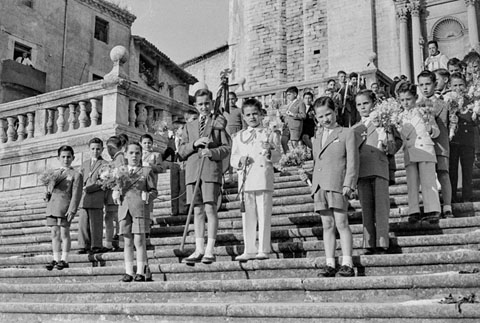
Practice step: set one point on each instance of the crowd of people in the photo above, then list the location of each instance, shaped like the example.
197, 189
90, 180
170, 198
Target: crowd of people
353, 154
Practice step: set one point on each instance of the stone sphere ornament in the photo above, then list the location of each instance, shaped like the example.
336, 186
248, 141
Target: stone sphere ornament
119, 54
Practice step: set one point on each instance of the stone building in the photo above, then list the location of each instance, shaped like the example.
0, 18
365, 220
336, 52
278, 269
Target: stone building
274, 42
207, 67
68, 43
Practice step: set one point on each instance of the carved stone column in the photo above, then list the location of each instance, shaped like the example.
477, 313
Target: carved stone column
402, 13
415, 11
472, 23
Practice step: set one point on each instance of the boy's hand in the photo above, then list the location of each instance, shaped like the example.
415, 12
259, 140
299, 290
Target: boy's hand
348, 192
201, 142
70, 216
206, 153
48, 196
244, 161
117, 201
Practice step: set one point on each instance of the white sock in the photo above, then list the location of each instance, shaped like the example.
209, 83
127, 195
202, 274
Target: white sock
331, 262
210, 246
56, 256
347, 261
200, 245
129, 268
141, 267
108, 244
447, 208
65, 256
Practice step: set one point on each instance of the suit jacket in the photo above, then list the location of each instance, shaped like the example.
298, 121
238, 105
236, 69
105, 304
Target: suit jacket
373, 161
219, 145
260, 170
93, 196
117, 161
466, 130
297, 107
442, 142
418, 143
131, 197
66, 194
153, 160
336, 164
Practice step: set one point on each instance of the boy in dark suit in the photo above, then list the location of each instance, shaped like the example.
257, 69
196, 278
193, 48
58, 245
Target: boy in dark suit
90, 221
204, 138
63, 195
134, 212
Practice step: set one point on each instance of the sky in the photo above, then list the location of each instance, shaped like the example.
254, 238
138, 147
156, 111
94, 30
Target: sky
182, 29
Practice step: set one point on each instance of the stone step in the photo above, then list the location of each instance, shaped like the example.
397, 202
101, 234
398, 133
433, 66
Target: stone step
354, 289
425, 310
99, 268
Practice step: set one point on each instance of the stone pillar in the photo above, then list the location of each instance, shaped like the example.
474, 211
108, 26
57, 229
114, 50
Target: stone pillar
472, 23
404, 43
416, 38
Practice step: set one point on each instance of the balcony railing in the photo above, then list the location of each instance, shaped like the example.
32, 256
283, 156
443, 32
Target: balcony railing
90, 107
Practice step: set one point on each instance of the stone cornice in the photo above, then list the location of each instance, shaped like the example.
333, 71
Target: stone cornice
470, 2
112, 10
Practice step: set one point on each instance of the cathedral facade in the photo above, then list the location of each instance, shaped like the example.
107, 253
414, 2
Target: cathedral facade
275, 42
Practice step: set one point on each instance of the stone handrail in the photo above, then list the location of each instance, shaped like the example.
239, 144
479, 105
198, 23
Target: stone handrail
115, 100
269, 96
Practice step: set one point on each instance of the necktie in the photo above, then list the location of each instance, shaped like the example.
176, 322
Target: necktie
132, 171
202, 125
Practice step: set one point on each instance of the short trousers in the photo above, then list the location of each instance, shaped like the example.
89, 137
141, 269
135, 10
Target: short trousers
208, 192
134, 225
61, 222
443, 163
327, 200
295, 134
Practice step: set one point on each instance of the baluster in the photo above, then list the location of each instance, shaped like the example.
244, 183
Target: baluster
3, 133
149, 119
30, 125
94, 115
83, 117
11, 129
132, 116
72, 119
21, 132
50, 117
61, 119
141, 117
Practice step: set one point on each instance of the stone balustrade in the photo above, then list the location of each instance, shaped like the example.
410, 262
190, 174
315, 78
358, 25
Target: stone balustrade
275, 95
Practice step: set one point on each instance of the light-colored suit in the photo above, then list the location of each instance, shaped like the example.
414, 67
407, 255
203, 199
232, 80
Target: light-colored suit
336, 164
66, 194
373, 185
258, 185
90, 220
420, 159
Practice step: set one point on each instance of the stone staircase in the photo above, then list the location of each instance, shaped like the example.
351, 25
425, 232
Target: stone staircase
430, 261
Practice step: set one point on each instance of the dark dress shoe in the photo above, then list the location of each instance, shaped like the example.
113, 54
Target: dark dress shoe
370, 251
139, 278
346, 271
51, 265
382, 251
208, 259
327, 271
192, 260
61, 265
82, 251
148, 274
414, 218
431, 217
126, 278
448, 214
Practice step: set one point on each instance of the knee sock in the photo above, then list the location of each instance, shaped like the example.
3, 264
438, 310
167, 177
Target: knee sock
210, 246
65, 256
129, 268
141, 267
56, 256
331, 262
200, 245
347, 261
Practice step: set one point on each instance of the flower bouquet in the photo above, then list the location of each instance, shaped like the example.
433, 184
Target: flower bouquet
426, 110
117, 179
457, 103
295, 157
387, 115
474, 94
48, 179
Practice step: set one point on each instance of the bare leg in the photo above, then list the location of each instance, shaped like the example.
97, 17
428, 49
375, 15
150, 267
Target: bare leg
211, 211
346, 240
329, 239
